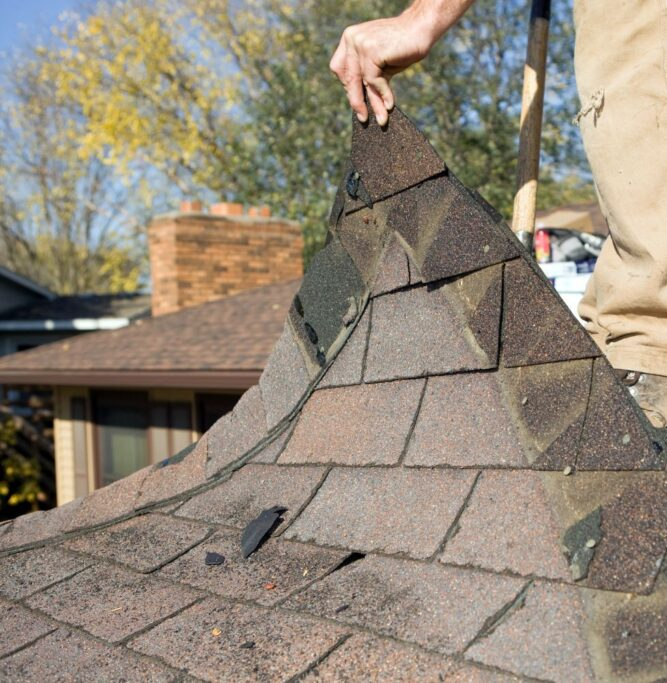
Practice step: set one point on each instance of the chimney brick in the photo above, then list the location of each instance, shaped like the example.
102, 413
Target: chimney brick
263, 211
191, 206
197, 257
226, 209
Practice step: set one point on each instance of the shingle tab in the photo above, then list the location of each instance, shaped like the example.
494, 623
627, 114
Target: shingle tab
425, 331
614, 437
38, 526
634, 538
452, 429
447, 231
68, 656
110, 502
638, 640
550, 402
277, 569
143, 543
33, 570
364, 657
348, 366
362, 234
332, 285
544, 330
543, 639
393, 158
284, 380
19, 627
269, 454
234, 434
439, 608
393, 270
176, 477
112, 603
372, 428
252, 644
237, 501
507, 525
388, 510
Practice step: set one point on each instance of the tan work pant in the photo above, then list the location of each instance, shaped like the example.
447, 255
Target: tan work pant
621, 69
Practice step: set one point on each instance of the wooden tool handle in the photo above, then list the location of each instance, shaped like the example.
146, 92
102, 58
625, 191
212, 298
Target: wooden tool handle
532, 105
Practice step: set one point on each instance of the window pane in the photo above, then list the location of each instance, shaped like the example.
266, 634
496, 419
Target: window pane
181, 426
211, 407
122, 422
159, 432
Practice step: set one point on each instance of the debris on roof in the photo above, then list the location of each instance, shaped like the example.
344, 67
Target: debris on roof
414, 423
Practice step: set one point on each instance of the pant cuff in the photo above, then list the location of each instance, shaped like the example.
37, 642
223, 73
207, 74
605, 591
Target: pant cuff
641, 359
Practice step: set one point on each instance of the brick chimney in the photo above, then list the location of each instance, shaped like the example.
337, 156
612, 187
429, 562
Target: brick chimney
197, 257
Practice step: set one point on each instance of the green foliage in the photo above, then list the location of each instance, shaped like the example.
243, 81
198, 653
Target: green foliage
235, 100
19, 476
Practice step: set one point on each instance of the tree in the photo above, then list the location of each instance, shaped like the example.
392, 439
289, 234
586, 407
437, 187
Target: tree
66, 220
235, 100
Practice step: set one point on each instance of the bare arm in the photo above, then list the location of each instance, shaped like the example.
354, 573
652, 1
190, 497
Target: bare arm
371, 53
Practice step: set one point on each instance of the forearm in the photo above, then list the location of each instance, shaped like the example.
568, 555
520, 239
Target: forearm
436, 17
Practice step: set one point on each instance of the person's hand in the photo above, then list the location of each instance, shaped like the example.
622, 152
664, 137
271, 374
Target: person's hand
369, 54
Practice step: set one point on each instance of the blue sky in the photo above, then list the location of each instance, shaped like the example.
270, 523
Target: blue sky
22, 19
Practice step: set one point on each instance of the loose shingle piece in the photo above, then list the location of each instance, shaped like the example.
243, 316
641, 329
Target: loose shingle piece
437, 478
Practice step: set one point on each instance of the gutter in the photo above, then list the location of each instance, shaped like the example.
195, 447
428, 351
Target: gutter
173, 379
73, 325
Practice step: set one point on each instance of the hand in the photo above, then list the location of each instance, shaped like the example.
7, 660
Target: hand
369, 54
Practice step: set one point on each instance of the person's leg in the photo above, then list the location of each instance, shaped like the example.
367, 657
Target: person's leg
621, 68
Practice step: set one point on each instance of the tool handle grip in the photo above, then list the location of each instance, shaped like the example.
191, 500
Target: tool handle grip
532, 105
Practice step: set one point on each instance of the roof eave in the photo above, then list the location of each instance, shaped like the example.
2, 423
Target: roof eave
230, 380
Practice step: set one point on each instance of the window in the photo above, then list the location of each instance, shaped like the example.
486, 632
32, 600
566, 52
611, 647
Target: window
211, 407
121, 421
170, 429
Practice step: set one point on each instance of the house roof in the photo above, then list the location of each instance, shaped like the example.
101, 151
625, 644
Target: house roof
83, 312
223, 343
453, 483
25, 283
586, 217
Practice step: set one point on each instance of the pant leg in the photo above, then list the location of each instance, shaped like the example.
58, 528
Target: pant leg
621, 68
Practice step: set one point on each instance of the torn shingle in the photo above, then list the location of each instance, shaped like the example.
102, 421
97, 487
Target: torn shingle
260, 529
393, 158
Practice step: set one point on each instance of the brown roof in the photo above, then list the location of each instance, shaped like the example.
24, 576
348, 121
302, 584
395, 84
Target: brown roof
226, 341
586, 217
446, 486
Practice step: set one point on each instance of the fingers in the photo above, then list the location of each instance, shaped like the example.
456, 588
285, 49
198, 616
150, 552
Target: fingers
378, 105
346, 67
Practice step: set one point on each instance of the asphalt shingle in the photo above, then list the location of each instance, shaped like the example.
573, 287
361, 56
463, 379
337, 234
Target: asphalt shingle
215, 640
372, 427
388, 510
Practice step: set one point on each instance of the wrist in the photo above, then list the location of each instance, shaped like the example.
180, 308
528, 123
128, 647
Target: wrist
433, 18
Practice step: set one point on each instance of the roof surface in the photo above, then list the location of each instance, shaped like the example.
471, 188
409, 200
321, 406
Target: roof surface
235, 334
89, 306
464, 491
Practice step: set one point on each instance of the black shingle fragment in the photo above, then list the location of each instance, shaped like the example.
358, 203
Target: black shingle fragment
214, 559
261, 527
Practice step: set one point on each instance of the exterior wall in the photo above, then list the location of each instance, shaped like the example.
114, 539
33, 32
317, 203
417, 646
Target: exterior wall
201, 257
76, 464
72, 479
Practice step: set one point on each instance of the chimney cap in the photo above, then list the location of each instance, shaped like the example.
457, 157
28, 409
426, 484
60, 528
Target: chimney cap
226, 209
